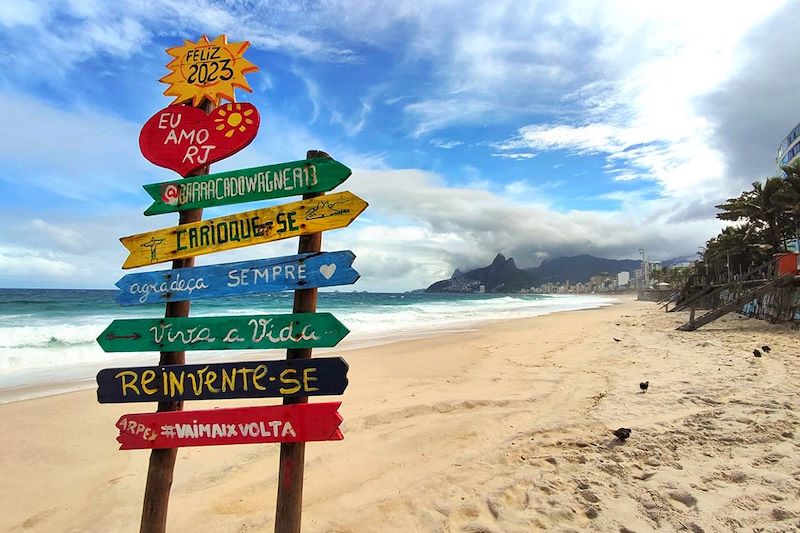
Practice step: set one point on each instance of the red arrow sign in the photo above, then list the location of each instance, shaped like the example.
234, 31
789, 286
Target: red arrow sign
241, 425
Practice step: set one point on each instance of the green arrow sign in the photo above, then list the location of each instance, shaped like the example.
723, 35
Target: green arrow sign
247, 185
299, 330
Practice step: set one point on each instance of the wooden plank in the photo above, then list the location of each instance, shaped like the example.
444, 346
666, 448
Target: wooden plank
736, 303
207, 70
247, 185
249, 332
240, 425
249, 379
183, 138
291, 466
243, 229
233, 279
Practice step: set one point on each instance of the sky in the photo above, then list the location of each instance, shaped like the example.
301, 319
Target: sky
536, 129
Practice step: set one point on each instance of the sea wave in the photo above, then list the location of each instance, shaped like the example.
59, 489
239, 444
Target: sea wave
52, 347
455, 314
49, 336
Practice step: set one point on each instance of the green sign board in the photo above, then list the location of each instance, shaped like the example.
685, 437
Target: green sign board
247, 185
299, 330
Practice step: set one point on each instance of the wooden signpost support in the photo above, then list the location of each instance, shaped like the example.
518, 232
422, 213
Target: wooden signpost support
162, 461
186, 137
289, 507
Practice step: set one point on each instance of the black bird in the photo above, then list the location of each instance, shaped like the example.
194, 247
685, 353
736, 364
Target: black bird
622, 433
766, 349
643, 385
756, 353
616, 339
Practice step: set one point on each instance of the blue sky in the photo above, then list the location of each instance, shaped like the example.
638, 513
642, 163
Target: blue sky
532, 128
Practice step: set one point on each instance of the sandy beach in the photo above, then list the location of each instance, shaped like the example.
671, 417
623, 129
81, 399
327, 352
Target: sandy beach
505, 428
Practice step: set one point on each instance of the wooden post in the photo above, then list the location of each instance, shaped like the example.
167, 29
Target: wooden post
289, 507
162, 462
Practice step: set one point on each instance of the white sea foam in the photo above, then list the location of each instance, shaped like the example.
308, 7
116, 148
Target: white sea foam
50, 350
430, 316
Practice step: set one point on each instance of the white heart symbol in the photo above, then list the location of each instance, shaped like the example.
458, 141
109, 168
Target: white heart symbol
327, 270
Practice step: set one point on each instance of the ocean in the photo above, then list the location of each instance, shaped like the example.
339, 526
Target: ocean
47, 337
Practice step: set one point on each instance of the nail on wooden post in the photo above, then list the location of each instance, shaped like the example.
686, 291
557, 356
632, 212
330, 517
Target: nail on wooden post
162, 462
289, 508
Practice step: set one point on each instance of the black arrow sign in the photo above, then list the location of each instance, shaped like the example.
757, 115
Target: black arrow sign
251, 379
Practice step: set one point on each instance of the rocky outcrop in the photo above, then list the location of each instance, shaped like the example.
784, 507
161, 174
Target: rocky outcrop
501, 276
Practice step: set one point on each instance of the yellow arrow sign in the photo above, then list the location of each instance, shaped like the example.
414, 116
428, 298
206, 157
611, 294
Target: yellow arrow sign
243, 229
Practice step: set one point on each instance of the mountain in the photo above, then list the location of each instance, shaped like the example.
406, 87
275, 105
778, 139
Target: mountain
501, 276
580, 268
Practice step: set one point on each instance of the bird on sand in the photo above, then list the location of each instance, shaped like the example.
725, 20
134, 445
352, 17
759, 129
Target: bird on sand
643, 385
756, 353
616, 339
766, 348
622, 433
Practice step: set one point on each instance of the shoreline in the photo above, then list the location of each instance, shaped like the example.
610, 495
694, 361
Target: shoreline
81, 381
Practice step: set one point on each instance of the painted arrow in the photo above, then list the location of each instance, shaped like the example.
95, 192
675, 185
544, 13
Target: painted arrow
299, 330
241, 425
243, 229
305, 271
112, 337
251, 379
247, 185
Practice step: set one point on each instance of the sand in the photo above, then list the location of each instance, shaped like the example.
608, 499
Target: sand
506, 428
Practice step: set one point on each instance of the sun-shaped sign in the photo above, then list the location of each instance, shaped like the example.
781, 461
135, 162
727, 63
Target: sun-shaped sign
207, 69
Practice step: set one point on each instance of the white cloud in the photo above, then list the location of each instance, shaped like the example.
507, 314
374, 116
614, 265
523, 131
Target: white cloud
131, 26
35, 267
352, 127
20, 13
643, 118
416, 231
76, 153
446, 145
515, 155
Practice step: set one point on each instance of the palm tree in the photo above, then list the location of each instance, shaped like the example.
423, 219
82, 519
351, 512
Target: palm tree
763, 205
735, 249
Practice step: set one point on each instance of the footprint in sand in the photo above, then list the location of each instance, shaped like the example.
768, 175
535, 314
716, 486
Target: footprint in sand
683, 497
515, 497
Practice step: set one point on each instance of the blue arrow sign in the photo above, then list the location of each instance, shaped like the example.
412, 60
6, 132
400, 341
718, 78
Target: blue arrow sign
304, 271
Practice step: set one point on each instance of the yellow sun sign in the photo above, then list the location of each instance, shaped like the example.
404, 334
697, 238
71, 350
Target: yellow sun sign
207, 69
231, 116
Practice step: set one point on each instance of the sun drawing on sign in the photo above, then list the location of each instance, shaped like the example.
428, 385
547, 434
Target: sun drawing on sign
232, 117
207, 70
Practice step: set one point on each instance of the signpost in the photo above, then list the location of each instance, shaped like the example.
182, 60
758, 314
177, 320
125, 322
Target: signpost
243, 229
251, 379
183, 138
241, 425
187, 139
247, 185
299, 330
303, 271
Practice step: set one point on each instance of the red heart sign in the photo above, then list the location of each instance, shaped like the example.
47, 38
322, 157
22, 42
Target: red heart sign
184, 138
